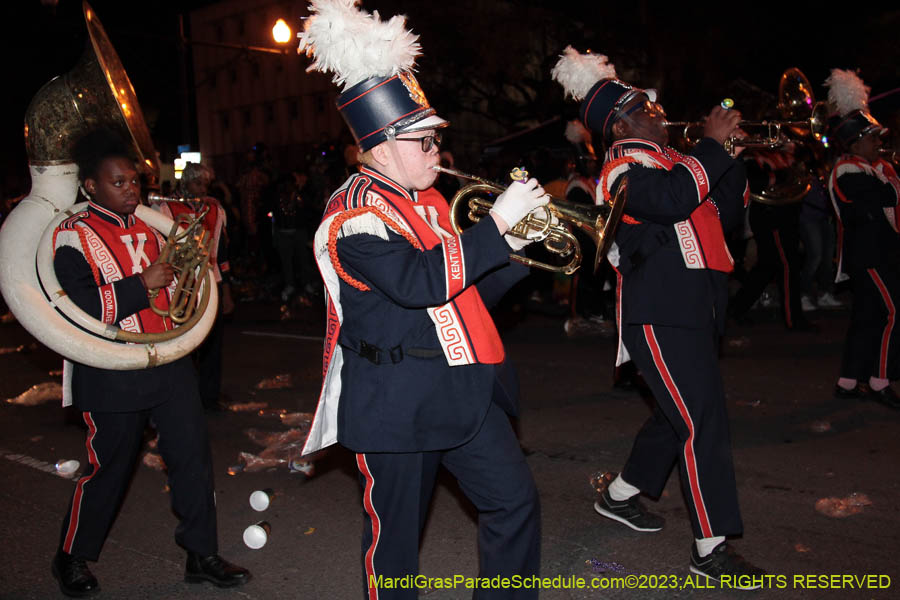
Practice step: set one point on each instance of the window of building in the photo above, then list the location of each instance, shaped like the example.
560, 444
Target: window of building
320, 103
270, 113
254, 69
220, 33
232, 74
240, 26
248, 117
225, 121
294, 109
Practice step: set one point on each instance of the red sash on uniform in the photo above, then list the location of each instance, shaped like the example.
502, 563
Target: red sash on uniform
115, 251
700, 236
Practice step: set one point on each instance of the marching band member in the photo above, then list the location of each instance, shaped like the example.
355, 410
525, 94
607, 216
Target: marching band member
415, 374
865, 191
104, 261
673, 267
775, 222
193, 188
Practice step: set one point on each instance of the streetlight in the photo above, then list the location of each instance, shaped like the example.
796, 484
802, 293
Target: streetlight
281, 33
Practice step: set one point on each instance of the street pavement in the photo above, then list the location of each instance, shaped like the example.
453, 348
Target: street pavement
794, 446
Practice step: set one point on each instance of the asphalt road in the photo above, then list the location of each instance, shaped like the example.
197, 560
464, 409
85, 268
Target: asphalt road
794, 445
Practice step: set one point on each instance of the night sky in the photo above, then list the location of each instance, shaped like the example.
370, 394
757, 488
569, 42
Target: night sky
693, 55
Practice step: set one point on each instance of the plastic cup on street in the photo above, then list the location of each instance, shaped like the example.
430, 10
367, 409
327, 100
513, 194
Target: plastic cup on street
260, 499
67, 468
257, 535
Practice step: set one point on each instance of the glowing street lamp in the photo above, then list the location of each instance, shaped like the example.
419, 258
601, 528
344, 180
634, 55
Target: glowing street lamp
281, 33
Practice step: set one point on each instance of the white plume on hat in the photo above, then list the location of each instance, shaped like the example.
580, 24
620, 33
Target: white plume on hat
354, 44
846, 91
577, 133
578, 73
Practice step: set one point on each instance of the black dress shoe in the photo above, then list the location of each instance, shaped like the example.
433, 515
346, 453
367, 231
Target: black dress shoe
854, 393
215, 569
886, 396
75, 579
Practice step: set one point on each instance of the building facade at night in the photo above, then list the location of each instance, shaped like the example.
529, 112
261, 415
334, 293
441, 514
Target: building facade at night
245, 96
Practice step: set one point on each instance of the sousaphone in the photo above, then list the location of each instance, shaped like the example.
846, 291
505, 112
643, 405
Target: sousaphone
95, 93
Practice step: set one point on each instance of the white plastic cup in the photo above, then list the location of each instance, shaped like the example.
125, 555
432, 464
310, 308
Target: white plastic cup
257, 535
260, 499
67, 468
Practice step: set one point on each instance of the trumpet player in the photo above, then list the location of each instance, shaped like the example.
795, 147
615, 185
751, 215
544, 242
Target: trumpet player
673, 265
415, 372
104, 261
865, 191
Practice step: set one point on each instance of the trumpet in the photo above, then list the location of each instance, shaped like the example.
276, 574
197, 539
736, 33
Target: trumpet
770, 136
598, 222
794, 98
890, 154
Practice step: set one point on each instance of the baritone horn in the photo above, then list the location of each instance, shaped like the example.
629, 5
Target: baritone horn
187, 250
597, 222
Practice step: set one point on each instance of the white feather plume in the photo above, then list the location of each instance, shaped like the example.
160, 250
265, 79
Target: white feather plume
577, 133
578, 73
846, 91
355, 45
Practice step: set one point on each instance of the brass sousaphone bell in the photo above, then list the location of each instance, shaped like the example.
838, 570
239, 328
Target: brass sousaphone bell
597, 222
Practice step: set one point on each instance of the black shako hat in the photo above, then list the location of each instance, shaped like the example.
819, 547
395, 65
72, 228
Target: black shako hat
856, 125
591, 79
381, 107
603, 104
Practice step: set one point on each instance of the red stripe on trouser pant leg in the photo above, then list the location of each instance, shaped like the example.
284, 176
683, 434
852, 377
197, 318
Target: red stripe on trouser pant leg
79, 488
786, 276
889, 326
690, 460
376, 525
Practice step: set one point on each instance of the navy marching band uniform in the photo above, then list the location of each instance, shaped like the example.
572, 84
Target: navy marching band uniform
865, 197
673, 266
415, 374
775, 223
98, 256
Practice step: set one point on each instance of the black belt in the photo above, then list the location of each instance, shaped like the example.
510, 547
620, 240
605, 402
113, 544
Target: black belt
379, 356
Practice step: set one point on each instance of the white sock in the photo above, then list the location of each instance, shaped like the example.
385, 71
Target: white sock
705, 546
878, 384
620, 490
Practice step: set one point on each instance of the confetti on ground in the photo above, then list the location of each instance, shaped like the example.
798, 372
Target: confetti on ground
279, 382
247, 406
599, 566
154, 461
820, 426
38, 394
843, 507
600, 480
801, 547
309, 531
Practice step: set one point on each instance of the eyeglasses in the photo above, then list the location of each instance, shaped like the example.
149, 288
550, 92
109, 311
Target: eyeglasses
428, 142
651, 109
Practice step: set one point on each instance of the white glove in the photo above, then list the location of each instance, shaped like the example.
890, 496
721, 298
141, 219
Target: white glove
518, 200
517, 243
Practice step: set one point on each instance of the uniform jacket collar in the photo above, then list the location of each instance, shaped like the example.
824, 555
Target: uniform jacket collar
110, 217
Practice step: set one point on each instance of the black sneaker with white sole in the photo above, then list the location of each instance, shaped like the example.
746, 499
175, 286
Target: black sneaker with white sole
629, 512
727, 567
